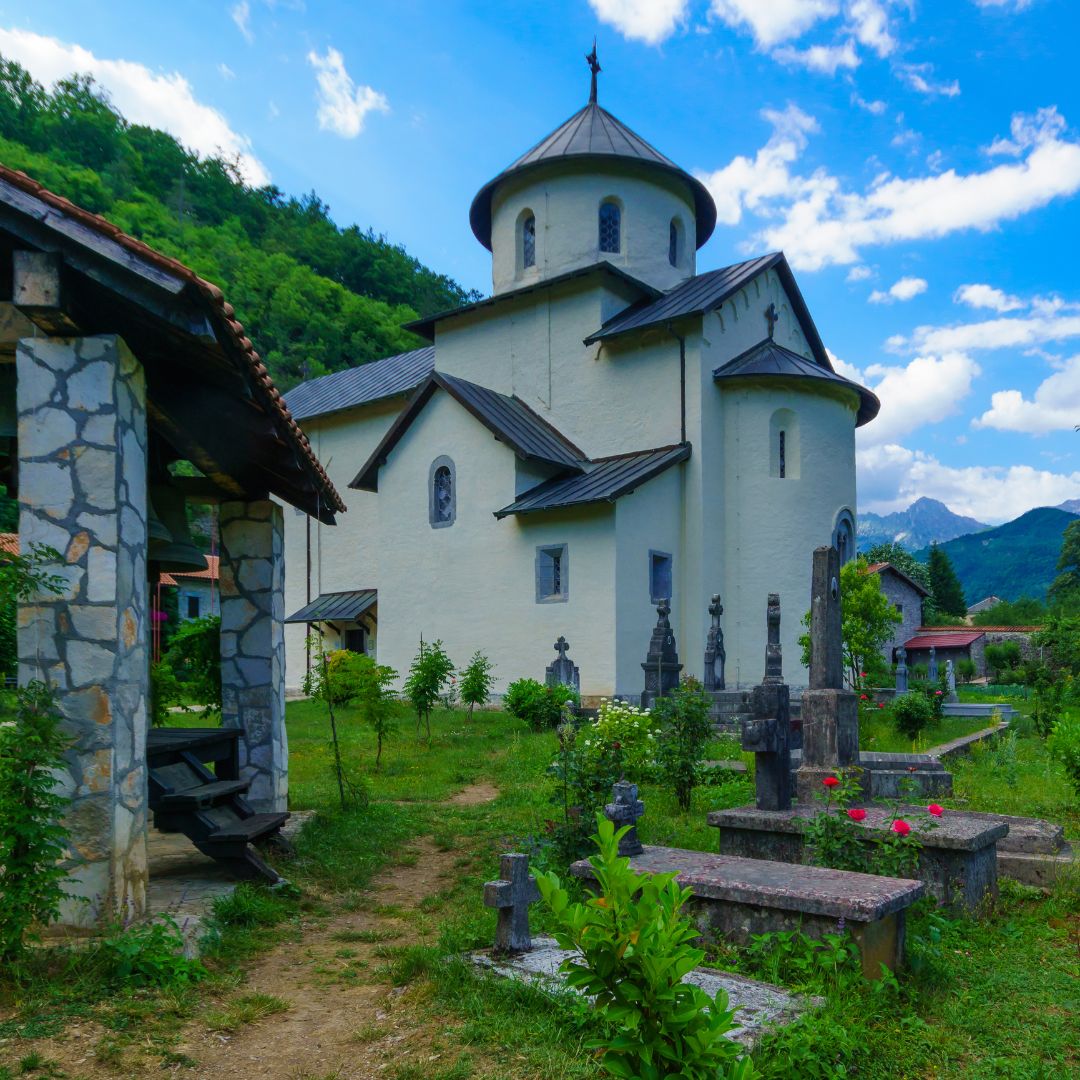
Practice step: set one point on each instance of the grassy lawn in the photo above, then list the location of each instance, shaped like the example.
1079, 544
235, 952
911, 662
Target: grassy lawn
877, 733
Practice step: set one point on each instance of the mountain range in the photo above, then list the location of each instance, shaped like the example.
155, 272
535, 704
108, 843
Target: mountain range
924, 522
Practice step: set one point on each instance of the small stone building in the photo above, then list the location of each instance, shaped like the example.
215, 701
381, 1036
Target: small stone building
907, 596
949, 643
125, 362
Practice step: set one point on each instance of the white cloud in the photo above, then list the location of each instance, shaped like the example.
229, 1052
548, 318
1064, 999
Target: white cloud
891, 477
858, 273
1007, 5
774, 21
1055, 405
747, 183
651, 21
986, 296
992, 334
825, 59
343, 106
157, 99
226, 72
1029, 130
240, 13
907, 288
919, 77
870, 24
874, 107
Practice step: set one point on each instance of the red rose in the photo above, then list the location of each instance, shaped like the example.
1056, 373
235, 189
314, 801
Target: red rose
937, 693
936, 810
881, 704
858, 814
901, 827
863, 697
862, 674
831, 781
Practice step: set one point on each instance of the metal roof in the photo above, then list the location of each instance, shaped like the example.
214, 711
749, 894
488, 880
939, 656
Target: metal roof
361, 385
509, 419
335, 607
944, 640
768, 359
604, 480
592, 133
426, 327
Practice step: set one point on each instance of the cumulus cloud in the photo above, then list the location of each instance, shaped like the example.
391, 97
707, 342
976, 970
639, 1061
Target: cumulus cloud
920, 78
1021, 332
651, 21
343, 106
825, 59
876, 108
1029, 130
986, 296
163, 100
1055, 405
776, 21
891, 477
907, 288
870, 24
858, 273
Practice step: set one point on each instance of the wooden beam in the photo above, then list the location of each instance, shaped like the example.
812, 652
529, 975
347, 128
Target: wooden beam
37, 291
14, 326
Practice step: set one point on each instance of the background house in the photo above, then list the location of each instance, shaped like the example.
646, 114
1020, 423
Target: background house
907, 596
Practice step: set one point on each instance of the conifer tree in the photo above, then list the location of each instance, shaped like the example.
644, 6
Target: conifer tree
945, 588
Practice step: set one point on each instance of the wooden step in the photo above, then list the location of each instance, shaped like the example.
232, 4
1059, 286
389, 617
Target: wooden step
203, 795
248, 830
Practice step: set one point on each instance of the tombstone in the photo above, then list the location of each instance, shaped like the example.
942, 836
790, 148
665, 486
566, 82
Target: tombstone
661, 665
932, 672
511, 895
774, 664
625, 809
562, 671
950, 682
830, 714
901, 671
715, 655
768, 736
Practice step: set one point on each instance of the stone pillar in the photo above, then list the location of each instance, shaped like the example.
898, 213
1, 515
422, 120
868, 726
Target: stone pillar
82, 491
253, 645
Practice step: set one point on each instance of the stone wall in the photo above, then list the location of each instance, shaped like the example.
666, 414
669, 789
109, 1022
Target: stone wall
900, 594
82, 491
253, 645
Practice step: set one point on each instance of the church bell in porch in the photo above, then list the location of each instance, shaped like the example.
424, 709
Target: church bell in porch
170, 544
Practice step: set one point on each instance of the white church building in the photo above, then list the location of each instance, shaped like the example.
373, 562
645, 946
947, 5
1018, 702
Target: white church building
609, 428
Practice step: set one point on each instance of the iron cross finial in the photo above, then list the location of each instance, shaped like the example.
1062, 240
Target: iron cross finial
594, 67
772, 318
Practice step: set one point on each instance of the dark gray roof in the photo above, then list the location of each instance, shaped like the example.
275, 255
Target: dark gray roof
335, 607
509, 419
768, 359
594, 133
604, 480
706, 292
426, 327
361, 385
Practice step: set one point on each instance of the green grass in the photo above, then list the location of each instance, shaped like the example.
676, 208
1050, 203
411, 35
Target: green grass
877, 733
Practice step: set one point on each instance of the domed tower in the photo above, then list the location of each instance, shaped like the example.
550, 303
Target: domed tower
591, 191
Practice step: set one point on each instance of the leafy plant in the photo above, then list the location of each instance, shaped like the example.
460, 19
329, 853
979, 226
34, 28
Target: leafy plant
148, 954
965, 670
32, 840
428, 676
476, 682
793, 958
1064, 746
634, 947
685, 731
540, 706
1003, 656
1048, 703
374, 700
912, 713
194, 657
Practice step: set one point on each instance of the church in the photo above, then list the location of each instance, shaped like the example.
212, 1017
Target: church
609, 429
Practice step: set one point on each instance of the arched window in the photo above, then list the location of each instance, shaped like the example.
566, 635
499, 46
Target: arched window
673, 244
844, 536
784, 461
528, 242
610, 227
442, 493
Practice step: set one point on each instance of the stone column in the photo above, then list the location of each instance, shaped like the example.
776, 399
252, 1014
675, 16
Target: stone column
82, 491
253, 645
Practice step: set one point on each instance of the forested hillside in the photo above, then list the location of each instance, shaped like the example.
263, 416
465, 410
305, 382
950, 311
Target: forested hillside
314, 297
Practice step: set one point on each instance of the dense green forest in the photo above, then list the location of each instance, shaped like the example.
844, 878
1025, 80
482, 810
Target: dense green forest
314, 297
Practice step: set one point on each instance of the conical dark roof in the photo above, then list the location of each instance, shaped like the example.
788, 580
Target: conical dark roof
592, 132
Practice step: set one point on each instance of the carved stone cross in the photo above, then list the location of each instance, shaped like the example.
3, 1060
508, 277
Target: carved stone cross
511, 895
594, 67
774, 663
561, 646
625, 809
772, 318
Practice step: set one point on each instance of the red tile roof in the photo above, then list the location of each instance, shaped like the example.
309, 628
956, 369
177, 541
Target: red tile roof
966, 629
9, 543
215, 300
944, 640
209, 574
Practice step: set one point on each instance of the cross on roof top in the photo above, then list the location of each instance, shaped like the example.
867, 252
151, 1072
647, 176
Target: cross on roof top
594, 67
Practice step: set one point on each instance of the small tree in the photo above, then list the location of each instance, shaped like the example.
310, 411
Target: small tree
194, 657
477, 681
430, 671
1065, 589
686, 728
912, 714
945, 589
375, 701
323, 684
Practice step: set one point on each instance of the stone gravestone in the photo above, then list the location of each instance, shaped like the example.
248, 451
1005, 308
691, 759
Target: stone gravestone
950, 682
768, 733
661, 665
715, 655
626, 808
562, 671
901, 671
830, 714
511, 895
932, 671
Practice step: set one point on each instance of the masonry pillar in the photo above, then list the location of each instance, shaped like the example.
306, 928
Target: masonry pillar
82, 491
253, 645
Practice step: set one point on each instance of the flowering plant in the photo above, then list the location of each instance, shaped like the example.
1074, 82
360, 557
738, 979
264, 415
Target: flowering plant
636, 732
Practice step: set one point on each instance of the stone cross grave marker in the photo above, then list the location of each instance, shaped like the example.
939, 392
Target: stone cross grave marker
826, 636
950, 683
661, 665
715, 654
511, 895
774, 662
901, 671
625, 809
932, 671
562, 671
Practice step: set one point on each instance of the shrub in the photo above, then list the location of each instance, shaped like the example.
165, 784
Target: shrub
635, 947
194, 657
1002, 656
147, 954
428, 677
911, 714
685, 730
540, 706
920, 671
631, 731
1049, 701
374, 700
477, 681
1064, 746
965, 670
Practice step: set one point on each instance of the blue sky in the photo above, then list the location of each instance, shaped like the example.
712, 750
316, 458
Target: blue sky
918, 161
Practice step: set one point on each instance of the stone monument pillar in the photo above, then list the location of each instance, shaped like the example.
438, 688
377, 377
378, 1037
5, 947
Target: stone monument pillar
661, 665
950, 683
626, 808
715, 654
901, 671
562, 671
830, 714
932, 670
82, 491
253, 646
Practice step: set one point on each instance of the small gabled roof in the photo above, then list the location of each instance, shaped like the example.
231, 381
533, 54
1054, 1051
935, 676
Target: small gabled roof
940, 639
361, 385
880, 567
335, 607
592, 133
768, 359
604, 480
425, 327
509, 419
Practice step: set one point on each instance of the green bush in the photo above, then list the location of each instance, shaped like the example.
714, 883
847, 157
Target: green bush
428, 678
540, 706
685, 731
194, 657
911, 714
476, 682
1064, 746
147, 954
1003, 656
965, 670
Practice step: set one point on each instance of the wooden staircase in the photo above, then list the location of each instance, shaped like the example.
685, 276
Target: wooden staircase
208, 805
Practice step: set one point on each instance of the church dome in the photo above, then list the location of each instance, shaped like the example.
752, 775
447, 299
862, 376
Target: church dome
593, 134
